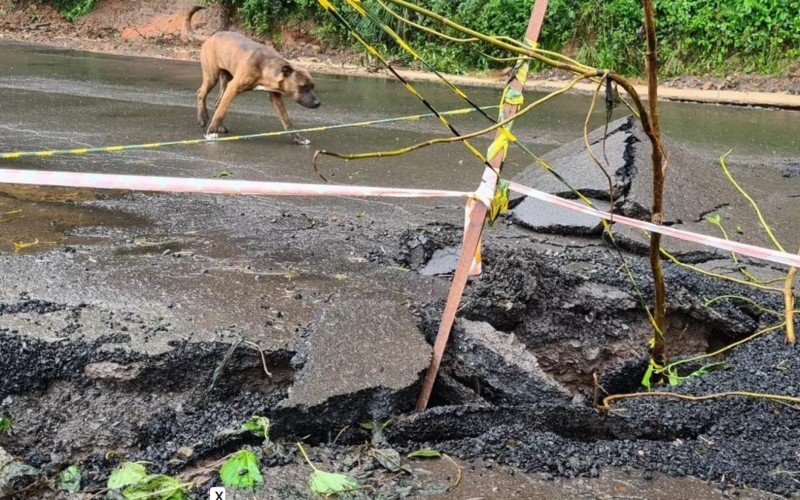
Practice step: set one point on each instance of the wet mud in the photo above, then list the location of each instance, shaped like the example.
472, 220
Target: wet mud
35, 218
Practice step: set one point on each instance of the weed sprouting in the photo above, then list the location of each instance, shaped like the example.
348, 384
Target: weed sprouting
328, 483
132, 481
70, 479
241, 471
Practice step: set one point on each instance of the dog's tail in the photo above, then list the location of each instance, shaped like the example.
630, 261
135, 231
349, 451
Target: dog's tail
188, 32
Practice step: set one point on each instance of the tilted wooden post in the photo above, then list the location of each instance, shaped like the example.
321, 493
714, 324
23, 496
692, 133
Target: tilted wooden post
511, 102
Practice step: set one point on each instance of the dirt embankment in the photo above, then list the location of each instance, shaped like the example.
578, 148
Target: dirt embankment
153, 29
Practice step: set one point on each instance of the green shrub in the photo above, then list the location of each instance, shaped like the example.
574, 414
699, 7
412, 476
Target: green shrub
262, 16
697, 36
73, 9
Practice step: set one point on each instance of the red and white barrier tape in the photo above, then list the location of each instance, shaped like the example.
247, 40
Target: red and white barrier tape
210, 186
219, 186
731, 246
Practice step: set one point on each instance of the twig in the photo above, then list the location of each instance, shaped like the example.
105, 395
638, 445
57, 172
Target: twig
752, 202
218, 371
339, 434
788, 303
744, 299
446, 140
653, 131
723, 349
772, 397
717, 275
455, 483
263, 358
589, 147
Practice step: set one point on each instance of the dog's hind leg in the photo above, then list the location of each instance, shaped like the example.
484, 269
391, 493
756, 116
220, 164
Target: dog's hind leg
277, 102
209, 82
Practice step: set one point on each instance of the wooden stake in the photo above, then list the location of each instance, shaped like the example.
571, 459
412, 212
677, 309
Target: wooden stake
474, 229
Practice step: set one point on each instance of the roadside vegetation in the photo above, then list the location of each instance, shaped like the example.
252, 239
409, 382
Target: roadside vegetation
695, 36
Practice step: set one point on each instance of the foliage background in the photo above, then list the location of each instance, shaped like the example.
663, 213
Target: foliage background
696, 36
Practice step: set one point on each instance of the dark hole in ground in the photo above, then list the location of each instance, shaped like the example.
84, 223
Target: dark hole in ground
578, 315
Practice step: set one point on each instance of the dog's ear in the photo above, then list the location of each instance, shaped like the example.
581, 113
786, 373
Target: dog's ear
287, 70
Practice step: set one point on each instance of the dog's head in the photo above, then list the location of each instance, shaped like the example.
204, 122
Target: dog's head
295, 83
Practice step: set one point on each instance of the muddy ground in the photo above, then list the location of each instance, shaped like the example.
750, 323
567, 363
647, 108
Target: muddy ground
141, 327
90, 383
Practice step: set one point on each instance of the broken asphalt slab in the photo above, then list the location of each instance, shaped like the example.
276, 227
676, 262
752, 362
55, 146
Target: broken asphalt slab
509, 373
360, 361
695, 189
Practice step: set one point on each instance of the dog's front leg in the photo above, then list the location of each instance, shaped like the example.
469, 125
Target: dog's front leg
202, 92
222, 109
277, 103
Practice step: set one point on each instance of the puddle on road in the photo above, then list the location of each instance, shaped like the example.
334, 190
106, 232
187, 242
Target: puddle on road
38, 218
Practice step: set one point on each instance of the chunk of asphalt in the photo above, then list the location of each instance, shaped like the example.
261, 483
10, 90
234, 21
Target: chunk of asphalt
448, 425
548, 218
443, 261
112, 372
13, 473
362, 360
505, 370
449, 391
580, 171
791, 170
695, 188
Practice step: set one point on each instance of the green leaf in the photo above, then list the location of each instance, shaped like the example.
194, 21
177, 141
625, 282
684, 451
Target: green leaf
156, 486
241, 471
371, 425
328, 483
258, 425
70, 479
224, 173
500, 201
126, 474
647, 376
5, 424
424, 453
714, 219
739, 230
673, 378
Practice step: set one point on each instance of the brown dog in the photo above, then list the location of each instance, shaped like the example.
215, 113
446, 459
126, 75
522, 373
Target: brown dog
240, 64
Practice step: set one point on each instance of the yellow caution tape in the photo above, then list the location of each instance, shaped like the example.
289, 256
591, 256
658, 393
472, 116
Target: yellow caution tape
500, 143
356, 4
